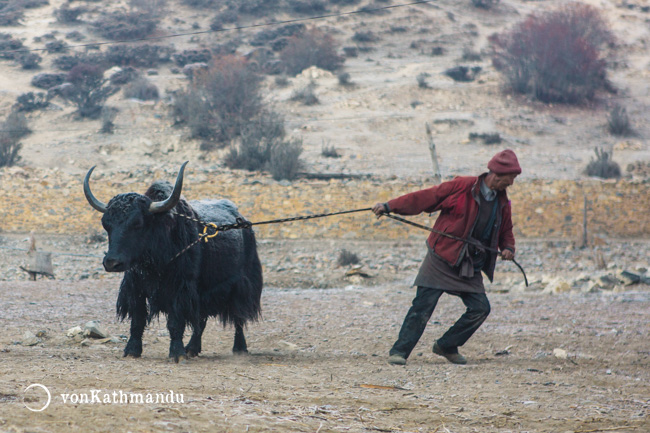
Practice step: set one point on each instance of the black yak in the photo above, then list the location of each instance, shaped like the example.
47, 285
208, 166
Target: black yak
219, 278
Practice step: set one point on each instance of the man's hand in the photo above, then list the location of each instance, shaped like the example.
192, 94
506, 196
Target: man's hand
507, 255
379, 209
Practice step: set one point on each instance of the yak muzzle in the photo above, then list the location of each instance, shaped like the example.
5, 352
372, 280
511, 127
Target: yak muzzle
114, 265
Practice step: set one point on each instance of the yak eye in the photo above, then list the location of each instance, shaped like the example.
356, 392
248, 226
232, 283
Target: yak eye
137, 224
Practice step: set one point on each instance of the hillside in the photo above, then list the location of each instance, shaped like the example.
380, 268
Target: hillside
377, 124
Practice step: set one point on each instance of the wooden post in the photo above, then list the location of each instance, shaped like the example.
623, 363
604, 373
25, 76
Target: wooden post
38, 262
585, 235
437, 177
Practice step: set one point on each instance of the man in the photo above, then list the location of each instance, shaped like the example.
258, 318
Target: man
475, 209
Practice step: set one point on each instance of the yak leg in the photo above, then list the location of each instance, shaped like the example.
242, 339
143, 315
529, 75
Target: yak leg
138, 323
239, 347
176, 328
193, 348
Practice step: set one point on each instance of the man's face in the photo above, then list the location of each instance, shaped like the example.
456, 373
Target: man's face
503, 181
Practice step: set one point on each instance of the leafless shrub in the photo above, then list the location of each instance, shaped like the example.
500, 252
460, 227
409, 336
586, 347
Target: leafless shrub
9, 46
108, 119
463, 73
470, 55
556, 56
67, 62
282, 80
15, 125
374, 9
308, 7
75, 35
87, 89
192, 56
603, 166
256, 141
422, 80
142, 89
202, 3
9, 149
350, 51
618, 122
272, 35
437, 51
31, 101
220, 101
139, 56
285, 160
11, 130
10, 14
311, 48
225, 17
347, 258
398, 29
47, 80
28, 60
69, 15
123, 26
257, 7
344, 79
125, 75
485, 4
31, 4
154, 8
57, 46
305, 95
329, 151
365, 37
487, 138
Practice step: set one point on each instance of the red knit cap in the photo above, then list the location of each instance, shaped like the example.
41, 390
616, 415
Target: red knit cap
504, 162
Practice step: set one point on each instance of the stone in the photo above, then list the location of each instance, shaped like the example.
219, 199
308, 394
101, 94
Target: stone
560, 353
29, 339
557, 285
93, 330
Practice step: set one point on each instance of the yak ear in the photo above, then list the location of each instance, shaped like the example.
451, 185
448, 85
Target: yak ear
172, 200
96, 204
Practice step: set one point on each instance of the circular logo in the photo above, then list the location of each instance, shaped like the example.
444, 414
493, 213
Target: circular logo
47, 391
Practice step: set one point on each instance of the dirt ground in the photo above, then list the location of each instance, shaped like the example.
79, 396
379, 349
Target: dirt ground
571, 362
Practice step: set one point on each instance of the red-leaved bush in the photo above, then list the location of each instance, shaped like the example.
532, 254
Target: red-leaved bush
555, 56
311, 48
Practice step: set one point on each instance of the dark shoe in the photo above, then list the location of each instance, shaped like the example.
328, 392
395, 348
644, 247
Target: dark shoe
454, 358
397, 360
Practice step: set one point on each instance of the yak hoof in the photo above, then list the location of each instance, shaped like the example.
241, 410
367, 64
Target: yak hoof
133, 348
131, 355
178, 358
191, 354
240, 352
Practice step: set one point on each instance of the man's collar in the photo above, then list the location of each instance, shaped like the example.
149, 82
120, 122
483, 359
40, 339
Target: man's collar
488, 194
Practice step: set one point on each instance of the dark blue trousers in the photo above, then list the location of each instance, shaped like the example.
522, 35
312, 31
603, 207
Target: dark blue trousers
425, 301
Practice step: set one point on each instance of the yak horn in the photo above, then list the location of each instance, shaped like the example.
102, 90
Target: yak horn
172, 200
96, 204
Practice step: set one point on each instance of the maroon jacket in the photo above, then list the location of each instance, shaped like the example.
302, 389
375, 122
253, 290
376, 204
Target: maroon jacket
457, 200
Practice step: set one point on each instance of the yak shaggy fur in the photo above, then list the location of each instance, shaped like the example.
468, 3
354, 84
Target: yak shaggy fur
219, 278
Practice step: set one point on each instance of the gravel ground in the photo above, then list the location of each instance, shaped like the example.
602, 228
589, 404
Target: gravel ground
543, 362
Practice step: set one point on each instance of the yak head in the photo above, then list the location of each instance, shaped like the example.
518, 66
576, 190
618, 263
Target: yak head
129, 220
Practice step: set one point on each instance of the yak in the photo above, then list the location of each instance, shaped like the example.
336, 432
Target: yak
219, 277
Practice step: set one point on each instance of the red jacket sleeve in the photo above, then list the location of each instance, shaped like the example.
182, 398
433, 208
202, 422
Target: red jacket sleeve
426, 200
